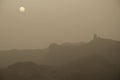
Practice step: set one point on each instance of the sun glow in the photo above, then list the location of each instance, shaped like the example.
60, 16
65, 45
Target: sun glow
22, 9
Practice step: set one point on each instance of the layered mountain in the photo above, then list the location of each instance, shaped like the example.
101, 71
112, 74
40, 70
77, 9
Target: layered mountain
98, 59
101, 62
9, 57
107, 48
27, 71
39, 56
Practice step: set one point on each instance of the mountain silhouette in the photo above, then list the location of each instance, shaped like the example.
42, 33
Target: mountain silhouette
28, 71
99, 59
59, 55
102, 61
9, 57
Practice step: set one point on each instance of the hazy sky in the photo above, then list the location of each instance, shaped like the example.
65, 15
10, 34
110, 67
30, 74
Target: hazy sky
48, 21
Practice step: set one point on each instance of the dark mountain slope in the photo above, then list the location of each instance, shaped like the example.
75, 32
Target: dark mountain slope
98, 59
59, 55
28, 71
102, 61
35, 55
13, 56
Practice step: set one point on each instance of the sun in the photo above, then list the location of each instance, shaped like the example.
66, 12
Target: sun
22, 9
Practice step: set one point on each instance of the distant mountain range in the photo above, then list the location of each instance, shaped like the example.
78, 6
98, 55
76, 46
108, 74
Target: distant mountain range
39, 56
98, 59
107, 48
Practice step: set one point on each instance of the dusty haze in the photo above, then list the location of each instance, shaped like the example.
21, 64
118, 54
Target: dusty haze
48, 21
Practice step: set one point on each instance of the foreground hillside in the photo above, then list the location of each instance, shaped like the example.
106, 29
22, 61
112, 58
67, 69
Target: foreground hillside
13, 56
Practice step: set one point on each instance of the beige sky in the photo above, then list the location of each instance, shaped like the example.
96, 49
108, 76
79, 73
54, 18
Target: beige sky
48, 21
